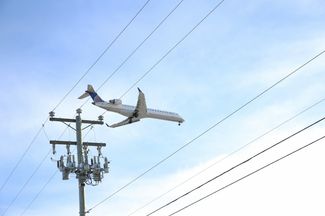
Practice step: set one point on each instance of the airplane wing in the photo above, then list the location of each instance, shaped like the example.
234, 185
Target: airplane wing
141, 108
129, 120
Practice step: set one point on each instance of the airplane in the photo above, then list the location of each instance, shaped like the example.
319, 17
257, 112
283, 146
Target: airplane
133, 113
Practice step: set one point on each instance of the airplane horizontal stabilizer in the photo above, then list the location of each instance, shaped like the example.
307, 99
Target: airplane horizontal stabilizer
84, 95
90, 89
91, 92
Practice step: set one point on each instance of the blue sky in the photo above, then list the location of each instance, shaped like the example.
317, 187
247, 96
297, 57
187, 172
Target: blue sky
236, 53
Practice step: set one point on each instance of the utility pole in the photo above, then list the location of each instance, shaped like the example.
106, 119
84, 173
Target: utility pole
87, 172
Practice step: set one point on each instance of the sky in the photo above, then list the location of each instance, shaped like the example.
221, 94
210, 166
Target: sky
241, 49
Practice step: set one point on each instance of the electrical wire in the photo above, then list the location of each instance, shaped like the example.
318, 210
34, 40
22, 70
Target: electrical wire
250, 174
174, 47
236, 166
90, 129
227, 156
207, 130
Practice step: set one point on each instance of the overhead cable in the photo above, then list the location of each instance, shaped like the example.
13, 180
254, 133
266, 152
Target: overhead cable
250, 174
227, 156
236, 166
207, 130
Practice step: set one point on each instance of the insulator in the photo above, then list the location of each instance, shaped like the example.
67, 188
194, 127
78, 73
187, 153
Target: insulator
97, 175
65, 174
70, 163
52, 114
69, 159
81, 166
106, 165
86, 167
99, 149
98, 161
61, 161
86, 159
79, 111
68, 149
53, 149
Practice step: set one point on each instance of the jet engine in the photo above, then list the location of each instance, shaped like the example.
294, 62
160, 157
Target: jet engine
116, 101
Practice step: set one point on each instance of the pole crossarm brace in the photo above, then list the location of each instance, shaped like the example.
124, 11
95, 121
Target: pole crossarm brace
62, 142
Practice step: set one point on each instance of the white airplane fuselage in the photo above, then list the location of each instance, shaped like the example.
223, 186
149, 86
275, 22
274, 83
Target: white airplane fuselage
128, 111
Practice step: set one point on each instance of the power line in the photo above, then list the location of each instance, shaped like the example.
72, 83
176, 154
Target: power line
218, 161
207, 130
236, 166
174, 47
238, 180
137, 48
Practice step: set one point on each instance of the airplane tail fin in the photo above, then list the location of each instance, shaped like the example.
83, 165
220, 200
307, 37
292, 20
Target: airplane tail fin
91, 92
